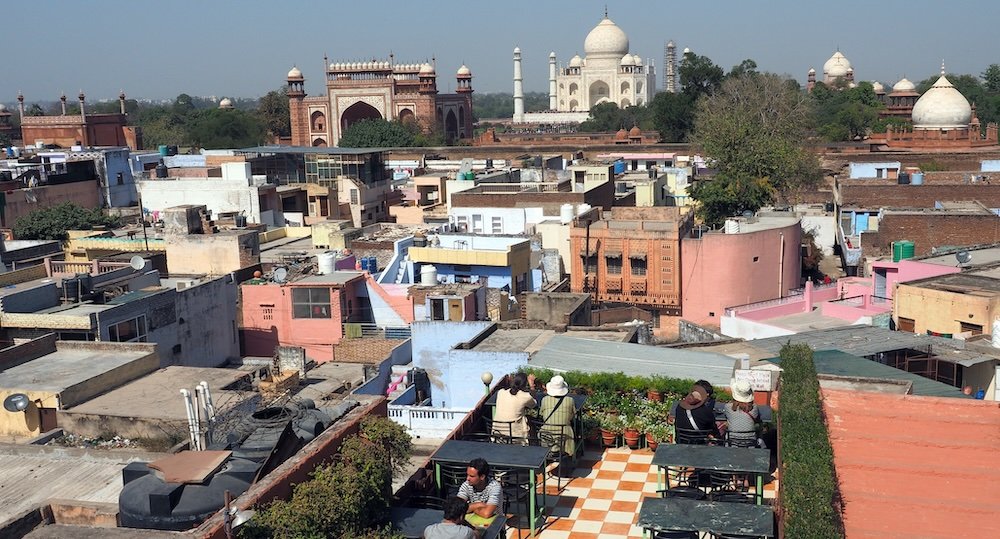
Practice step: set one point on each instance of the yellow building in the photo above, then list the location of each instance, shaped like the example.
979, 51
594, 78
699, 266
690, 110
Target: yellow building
949, 304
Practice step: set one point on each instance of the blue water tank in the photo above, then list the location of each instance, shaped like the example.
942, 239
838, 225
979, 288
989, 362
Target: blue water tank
917, 178
619, 167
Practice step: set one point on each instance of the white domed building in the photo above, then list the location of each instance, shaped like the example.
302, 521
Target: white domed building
838, 67
607, 73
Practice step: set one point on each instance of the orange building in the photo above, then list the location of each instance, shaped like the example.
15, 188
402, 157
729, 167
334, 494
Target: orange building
81, 129
631, 256
358, 91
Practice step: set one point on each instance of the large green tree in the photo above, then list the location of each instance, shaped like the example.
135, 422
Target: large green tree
273, 112
699, 75
845, 113
376, 133
608, 117
752, 128
51, 223
672, 115
225, 128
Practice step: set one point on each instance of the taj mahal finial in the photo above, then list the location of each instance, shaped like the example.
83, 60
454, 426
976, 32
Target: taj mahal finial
942, 67
605, 11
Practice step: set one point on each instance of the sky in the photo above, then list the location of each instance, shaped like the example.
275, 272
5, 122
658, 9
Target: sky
157, 50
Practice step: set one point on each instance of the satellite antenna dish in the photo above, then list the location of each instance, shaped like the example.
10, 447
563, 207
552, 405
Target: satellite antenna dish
137, 263
18, 402
280, 275
963, 257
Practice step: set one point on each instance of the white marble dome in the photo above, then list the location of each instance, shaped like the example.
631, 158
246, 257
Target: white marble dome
638, 59
3, 108
606, 40
426, 69
464, 70
295, 73
836, 66
628, 60
877, 86
576, 61
226, 103
942, 107
904, 85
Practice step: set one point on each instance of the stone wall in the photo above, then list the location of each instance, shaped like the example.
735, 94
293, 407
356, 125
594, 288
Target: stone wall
931, 230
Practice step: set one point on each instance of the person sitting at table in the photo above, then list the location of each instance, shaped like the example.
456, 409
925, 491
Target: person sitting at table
510, 417
692, 413
710, 401
482, 492
454, 525
742, 416
557, 412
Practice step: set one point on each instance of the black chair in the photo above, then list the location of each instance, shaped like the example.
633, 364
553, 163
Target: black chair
682, 482
516, 488
555, 437
425, 502
452, 477
741, 438
716, 535
674, 535
502, 432
730, 496
693, 436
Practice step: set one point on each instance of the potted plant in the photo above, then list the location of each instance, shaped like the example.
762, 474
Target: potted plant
611, 426
655, 390
632, 431
657, 434
591, 427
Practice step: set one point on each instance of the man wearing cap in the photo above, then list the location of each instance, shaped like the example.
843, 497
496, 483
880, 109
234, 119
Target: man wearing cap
693, 413
556, 411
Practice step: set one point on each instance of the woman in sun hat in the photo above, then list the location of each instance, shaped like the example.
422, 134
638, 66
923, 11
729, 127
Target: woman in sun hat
556, 412
742, 416
694, 413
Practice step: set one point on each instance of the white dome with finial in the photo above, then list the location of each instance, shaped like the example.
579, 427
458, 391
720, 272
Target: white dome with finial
226, 103
877, 86
464, 70
576, 61
904, 85
606, 40
295, 73
836, 66
426, 69
942, 107
628, 60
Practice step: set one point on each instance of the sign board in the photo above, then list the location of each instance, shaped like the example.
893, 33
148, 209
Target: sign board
760, 380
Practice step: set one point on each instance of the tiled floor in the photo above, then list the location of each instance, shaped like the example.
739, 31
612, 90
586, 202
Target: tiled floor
602, 499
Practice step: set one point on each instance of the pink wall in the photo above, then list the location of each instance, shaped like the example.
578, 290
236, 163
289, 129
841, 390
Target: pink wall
718, 270
267, 320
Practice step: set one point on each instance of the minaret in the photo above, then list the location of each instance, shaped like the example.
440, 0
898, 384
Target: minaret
20, 104
669, 63
121, 101
83, 113
811, 79
518, 91
298, 117
62, 100
552, 81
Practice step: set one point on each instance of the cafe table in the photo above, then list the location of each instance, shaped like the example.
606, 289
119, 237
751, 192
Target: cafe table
512, 457
410, 522
714, 458
723, 518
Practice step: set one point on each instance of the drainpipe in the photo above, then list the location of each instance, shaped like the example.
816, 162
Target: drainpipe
192, 428
781, 265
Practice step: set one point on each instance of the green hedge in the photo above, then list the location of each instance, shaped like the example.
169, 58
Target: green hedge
808, 482
601, 382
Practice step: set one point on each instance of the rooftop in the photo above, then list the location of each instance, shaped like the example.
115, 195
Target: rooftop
337, 277
70, 365
271, 150
915, 466
961, 283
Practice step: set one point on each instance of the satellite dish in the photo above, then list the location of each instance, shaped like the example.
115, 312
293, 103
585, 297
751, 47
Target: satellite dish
963, 257
18, 402
137, 263
280, 275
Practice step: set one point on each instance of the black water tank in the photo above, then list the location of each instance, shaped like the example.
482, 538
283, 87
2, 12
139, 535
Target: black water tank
161, 170
903, 178
422, 382
828, 206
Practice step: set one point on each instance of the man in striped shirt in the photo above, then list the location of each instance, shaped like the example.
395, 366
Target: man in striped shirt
482, 492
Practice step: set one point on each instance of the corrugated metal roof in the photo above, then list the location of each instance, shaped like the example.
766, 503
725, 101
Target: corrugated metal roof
915, 466
840, 363
575, 354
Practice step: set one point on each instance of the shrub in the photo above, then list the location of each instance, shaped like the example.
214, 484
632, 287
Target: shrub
808, 480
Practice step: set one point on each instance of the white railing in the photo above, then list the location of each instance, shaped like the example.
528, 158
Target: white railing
425, 421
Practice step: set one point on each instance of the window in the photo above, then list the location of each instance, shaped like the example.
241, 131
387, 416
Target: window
638, 266
756, 258
133, 330
462, 223
477, 223
355, 197
310, 303
976, 329
905, 324
267, 312
589, 263
614, 265
498, 225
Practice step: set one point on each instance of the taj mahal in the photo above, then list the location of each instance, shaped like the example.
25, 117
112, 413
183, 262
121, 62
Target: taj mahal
608, 73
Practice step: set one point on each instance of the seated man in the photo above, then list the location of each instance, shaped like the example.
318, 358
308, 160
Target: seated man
692, 414
453, 526
482, 492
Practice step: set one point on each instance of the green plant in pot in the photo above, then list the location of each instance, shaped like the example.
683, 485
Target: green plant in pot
632, 431
611, 426
591, 427
659, 433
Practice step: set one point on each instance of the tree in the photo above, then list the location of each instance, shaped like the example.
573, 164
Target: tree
273, 112
746, 67
699, 75
34, 110
672, 115
52, 223
753, 130
376, 133
219, 128
992, 78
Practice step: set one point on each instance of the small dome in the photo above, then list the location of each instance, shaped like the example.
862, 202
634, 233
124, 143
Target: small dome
576, 61
606, 40
686, 50
877, 86
837, 66
628, 60
942, 107
635, 131
812, 70
426, 69
621, 134
295, 73
904, 85
552, 54
517, 50
226, 103
464, 70
3, 108
638, 59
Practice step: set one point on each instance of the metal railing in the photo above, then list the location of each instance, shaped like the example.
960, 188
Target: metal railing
425, 421
355, 330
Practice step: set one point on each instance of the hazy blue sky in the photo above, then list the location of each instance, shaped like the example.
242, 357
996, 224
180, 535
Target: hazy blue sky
245, 48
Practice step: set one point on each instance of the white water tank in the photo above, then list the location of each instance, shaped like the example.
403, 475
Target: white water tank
326, 263
565, 213
428, 275
732, 226
582, 209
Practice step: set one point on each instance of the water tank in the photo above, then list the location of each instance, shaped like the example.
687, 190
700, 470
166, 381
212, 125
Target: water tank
161, 170
326, 263
163, 150
419, 240
903, 178
460, 175
428, 275
240, 220
582, 209
917, 178
470, 175
732, 226
565, 213
902, 250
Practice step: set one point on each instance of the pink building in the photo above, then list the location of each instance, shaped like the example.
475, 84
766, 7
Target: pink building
751, 260
309, 312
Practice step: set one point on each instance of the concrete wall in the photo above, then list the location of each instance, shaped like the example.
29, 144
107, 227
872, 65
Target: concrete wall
942, 310
432, 343
233, 192
206, 324
213, 254
462, 372
377, 385
160, 310
824, 229
555, 235
21, 202
30, 299
743, 328
722, 270
387, 310
117, 194
559, 309
512, 220
930, 230
870, 170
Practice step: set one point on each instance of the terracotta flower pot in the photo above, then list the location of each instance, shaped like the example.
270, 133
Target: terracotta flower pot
632, 438
654, 395
609, 438
651, 442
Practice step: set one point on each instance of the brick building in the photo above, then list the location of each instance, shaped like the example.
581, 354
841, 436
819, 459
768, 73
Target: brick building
386, 90
930, 229
84, 129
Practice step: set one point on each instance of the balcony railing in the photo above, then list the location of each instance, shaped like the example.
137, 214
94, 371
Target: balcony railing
357, 330
427, 422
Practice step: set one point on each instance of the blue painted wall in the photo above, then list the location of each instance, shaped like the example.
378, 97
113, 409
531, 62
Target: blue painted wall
432, 342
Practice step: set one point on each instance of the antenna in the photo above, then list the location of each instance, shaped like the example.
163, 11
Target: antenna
963, 257
137, 263
18, 402
280, 275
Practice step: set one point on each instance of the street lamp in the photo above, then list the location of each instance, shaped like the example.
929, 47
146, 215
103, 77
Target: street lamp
487, 378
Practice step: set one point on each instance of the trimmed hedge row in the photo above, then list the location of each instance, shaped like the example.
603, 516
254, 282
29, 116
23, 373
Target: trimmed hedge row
808, 480
596, 382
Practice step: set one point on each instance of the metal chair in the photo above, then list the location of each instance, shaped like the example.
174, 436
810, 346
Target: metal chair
741, 438
682, 482
425, 502
452, 476
716, 535
555, 437
502, 432
515, 485
692, 436
674, 535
